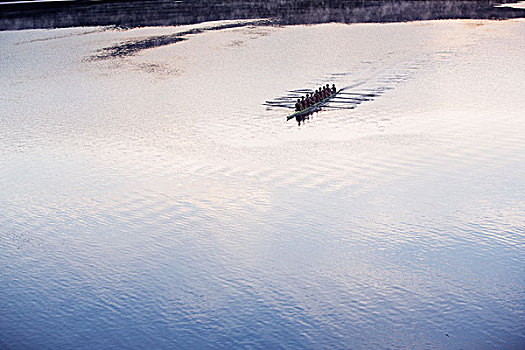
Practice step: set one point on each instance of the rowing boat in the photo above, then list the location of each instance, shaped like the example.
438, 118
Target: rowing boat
313, 108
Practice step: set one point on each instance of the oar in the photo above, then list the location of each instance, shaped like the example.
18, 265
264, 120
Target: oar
359, 94
278, 105
301, 90
350, 98
273, 102
337, 107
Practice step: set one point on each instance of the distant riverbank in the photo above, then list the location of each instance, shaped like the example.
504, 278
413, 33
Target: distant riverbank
58, 14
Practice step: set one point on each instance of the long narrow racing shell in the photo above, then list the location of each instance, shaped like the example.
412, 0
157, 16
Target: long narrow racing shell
312, 108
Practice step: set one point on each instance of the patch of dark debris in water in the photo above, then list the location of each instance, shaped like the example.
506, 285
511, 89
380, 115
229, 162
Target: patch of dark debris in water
131, 47
21, 240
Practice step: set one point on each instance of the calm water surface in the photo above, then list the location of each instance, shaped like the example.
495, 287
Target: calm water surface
155, 201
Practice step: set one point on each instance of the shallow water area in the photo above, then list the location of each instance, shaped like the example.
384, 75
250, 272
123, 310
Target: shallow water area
154, 200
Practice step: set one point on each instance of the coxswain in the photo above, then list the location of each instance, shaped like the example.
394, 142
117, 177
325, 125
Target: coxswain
334, 90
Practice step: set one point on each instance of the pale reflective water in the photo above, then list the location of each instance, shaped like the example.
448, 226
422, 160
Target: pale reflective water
154, 200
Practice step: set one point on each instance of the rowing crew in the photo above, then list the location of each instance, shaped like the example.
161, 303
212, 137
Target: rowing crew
316, 97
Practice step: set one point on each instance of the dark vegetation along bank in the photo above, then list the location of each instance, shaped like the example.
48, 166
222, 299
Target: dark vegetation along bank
133, 13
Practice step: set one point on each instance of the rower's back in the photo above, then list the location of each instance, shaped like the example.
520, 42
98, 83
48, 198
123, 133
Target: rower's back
298, 105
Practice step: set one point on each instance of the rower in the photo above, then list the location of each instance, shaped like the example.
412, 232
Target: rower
324, 92
334, 90
308, 100
298, 105
317, 97
303, 103
327, 89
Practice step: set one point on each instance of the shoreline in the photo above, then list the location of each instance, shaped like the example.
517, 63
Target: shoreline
130, 14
